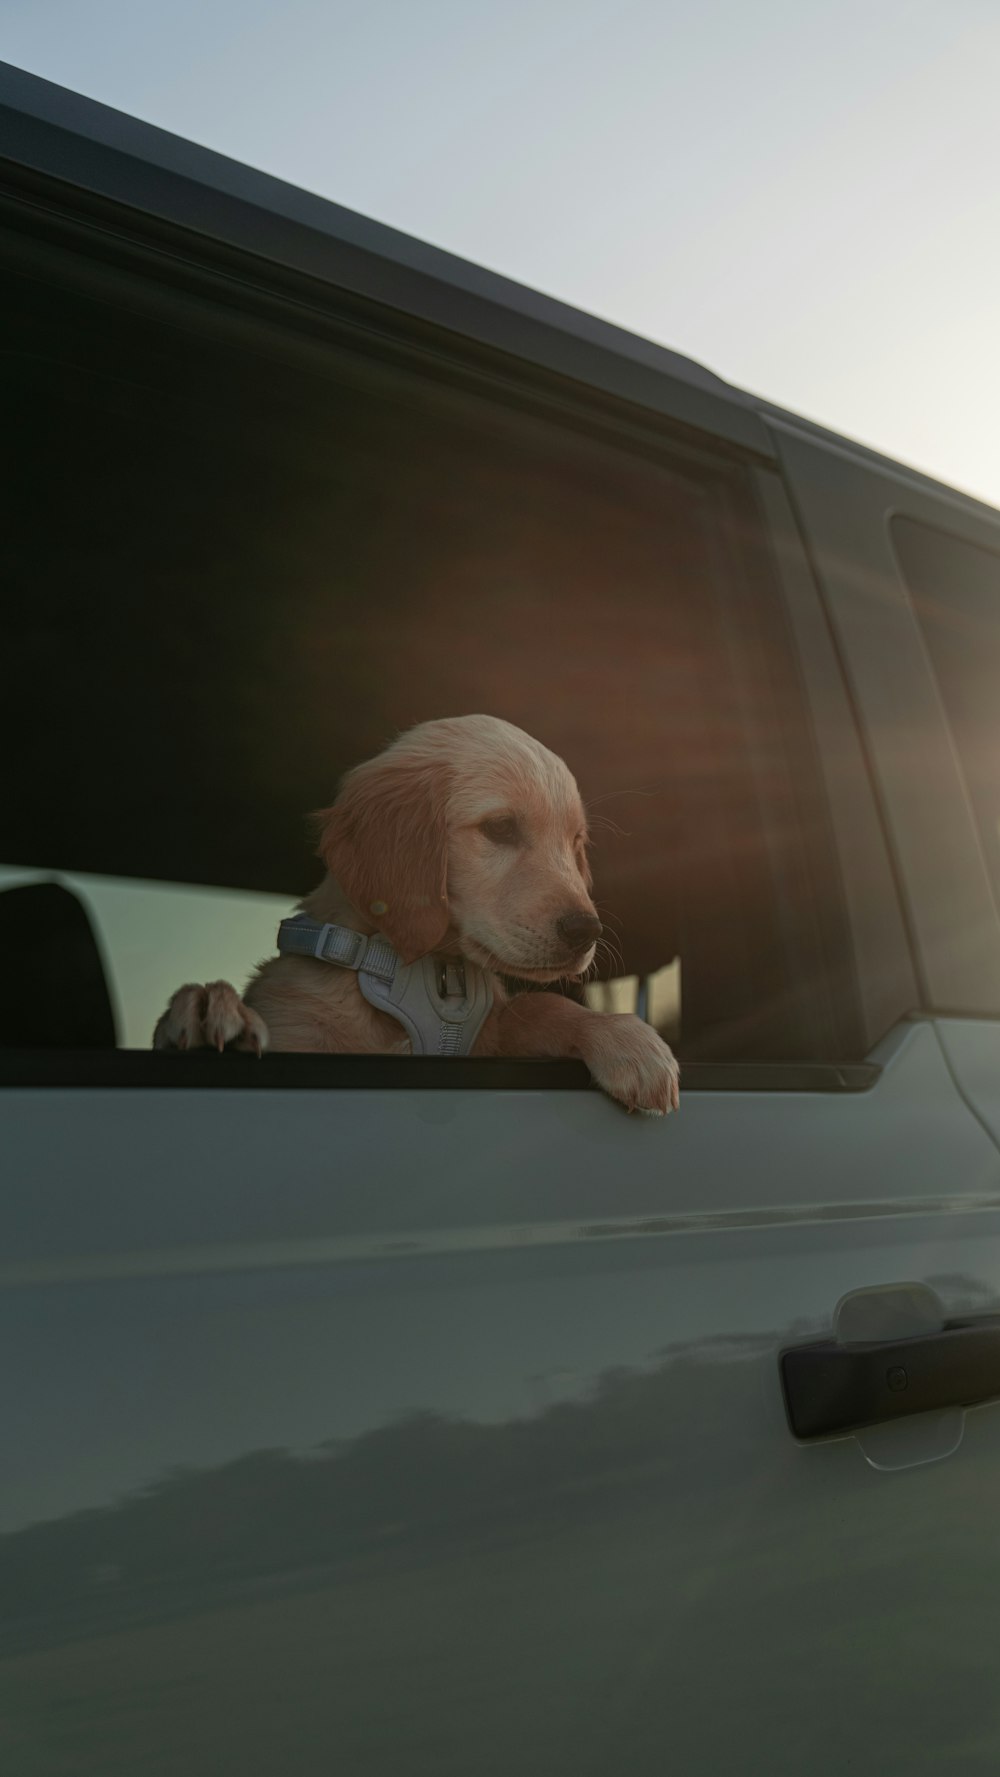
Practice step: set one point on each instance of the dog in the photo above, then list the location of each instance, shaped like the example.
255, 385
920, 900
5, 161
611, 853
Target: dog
464, 839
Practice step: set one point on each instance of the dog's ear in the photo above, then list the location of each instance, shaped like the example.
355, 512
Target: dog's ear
385, 841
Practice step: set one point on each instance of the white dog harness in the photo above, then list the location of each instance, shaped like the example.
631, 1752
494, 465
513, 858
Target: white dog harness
442, 1002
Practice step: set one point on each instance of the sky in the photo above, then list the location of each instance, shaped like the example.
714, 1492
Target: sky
799, 194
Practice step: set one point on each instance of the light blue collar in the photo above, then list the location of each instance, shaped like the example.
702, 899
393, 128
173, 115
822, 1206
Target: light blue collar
442, 1002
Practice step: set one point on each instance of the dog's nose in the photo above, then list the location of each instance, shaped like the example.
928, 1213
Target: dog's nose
577, 930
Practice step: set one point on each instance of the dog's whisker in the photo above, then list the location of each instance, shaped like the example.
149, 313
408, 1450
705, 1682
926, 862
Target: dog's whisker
606, 825
613, 957
605, 916
609, 795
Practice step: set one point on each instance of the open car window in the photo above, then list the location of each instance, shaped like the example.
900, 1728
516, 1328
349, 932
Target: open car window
234, 573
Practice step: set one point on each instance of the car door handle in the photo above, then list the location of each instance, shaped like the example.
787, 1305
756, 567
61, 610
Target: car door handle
831, 1387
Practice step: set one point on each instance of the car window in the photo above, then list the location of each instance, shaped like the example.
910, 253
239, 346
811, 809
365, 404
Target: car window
232, 576
154, 936
955, 589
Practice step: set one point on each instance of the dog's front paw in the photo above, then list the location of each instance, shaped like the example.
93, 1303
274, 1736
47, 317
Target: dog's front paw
632, 1064
212, 1017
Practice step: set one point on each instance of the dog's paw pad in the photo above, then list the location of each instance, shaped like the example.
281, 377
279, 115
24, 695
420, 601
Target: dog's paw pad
211, 1016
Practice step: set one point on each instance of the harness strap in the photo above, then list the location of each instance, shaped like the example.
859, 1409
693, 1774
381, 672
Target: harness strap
441, 1002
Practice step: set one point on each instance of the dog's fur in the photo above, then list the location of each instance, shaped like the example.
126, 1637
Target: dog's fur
468, 837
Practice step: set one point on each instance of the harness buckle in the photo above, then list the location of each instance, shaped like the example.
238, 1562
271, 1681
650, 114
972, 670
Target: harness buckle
451, 978
335, 944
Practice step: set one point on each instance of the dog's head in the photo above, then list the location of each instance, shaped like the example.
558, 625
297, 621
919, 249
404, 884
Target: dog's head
468, 832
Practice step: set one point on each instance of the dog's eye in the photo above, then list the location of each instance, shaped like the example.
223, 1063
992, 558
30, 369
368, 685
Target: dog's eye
503, 830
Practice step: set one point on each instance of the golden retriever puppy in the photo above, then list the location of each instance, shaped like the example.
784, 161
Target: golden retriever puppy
465, 839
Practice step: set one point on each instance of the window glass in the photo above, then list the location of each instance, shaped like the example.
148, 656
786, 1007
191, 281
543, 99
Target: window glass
231, 577
955, 589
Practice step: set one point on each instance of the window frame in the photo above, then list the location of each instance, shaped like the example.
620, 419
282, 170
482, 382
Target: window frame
948, 534
844, 505
205, 1071
189, 298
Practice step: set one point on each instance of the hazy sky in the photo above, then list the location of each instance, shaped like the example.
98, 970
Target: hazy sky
801, 194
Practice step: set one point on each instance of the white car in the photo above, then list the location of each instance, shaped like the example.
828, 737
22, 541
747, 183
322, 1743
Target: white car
434, 1416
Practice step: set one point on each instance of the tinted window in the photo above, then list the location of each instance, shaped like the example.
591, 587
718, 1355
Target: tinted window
232, 575
955, 589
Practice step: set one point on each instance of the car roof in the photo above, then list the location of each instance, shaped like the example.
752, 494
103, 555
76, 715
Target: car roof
50, 132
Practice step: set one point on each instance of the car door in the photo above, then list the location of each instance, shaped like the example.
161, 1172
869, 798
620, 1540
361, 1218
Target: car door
428, 1416
443, 1426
